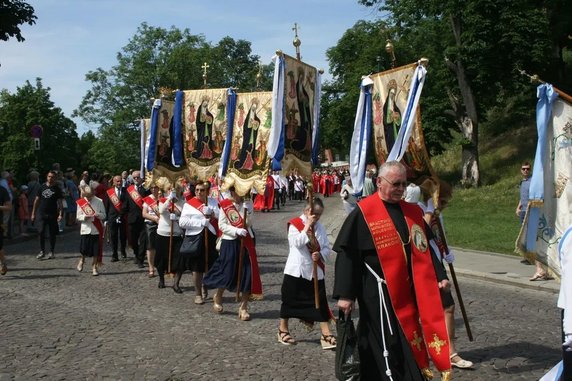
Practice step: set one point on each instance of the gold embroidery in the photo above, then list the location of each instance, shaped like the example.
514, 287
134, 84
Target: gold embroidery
437, 343
416, 342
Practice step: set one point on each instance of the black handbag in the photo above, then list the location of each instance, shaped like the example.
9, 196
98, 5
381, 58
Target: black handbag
192, 246
347, 354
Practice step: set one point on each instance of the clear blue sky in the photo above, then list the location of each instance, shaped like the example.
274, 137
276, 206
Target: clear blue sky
72, 37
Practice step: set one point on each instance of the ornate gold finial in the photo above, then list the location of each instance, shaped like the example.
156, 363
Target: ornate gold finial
424, 61
297, 41
390, 49
279, 52
259, 75
165, 92
321, 71
205, 75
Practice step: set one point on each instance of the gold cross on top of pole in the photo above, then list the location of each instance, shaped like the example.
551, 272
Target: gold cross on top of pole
205, 76
259, 75
297, 41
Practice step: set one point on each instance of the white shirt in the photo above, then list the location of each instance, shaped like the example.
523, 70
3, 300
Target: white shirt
299, 262
276, 181
565, 296
193, 220
164, 226
87, 226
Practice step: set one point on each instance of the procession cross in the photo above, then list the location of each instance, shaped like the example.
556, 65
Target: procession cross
297, 41
205, 76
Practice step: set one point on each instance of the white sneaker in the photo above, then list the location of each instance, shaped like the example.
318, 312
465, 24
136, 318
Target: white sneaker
51, 255
40, 256
94, 271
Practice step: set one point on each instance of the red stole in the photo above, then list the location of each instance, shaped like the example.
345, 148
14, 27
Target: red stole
150, 201
198, 205
135, 196
114, 199
313, 245
89, 212
420, 316
237, 221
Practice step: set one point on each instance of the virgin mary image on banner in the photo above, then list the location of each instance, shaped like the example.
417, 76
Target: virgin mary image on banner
248, 152
204, 122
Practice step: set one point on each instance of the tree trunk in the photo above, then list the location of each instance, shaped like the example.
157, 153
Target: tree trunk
465, 113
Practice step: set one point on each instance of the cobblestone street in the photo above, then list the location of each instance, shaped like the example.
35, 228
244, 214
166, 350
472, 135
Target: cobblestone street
59, 324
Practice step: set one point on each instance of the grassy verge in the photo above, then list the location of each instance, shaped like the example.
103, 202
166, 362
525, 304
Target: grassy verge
484, 218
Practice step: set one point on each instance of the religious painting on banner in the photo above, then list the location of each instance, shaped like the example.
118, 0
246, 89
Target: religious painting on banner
164, 141
555, 212
248, 161
204, 119
299, 88
389, 98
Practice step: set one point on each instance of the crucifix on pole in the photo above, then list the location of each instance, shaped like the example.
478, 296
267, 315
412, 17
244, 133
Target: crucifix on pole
297, 41
205, 75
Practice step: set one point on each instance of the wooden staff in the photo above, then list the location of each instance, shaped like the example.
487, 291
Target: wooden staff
240, 255
314, 262
171, 209
437, 222
206, 239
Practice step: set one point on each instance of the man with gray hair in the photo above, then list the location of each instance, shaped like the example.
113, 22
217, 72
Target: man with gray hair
385, 261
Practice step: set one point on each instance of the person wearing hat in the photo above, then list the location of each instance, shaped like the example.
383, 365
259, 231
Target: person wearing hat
23, 211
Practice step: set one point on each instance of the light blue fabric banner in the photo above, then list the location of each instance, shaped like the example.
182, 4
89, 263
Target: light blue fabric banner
230, 112
277, 134
361, 137
546, 96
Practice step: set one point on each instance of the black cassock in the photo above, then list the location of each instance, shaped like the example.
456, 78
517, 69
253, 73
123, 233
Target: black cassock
354, 247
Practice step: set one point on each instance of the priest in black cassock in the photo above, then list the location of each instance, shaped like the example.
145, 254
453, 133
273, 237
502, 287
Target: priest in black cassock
385, 262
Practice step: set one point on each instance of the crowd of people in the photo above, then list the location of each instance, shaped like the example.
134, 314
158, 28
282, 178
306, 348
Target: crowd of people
193, 226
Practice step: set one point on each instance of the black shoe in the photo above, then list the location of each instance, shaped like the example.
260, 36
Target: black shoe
114, 259
161, 283
123, 256
140, 265
177, 289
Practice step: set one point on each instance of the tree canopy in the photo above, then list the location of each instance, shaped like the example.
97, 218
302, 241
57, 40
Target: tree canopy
14, 13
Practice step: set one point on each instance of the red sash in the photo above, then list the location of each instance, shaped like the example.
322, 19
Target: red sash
420, 316
135, 196
198, 205
150, 201
313, 245
114, 199
89, 212
237, 221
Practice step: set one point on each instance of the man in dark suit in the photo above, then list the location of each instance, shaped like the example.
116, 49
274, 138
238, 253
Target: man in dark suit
131, 206
115, 219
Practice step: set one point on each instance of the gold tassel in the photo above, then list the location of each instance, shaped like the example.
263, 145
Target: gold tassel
427, 373
446, 375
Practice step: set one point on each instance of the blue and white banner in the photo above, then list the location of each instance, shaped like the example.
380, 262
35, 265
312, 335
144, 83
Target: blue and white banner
177, 137
151, 145
402, 140
316, 126
361, 136
231, 112
142, 142
276, 139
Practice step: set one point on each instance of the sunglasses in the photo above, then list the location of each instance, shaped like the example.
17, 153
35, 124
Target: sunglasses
525, 169
396, 184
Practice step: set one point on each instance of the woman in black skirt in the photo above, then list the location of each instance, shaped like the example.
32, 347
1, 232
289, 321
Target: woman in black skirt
308, 242
91, 213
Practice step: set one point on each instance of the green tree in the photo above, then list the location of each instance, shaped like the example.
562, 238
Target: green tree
154, 59
31, 105
14, 13
483, 43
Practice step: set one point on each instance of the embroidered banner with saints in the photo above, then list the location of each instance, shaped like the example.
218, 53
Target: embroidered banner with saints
248, 160
204, 119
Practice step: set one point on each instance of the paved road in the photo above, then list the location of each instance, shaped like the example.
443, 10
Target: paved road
58, 324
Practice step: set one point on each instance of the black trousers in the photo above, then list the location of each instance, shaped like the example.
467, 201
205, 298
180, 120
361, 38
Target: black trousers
49, 223
277, 198
566, 357
118, 237
138, 237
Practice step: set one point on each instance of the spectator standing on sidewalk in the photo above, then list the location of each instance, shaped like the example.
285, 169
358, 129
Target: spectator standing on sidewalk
5, 207
48, 206
23, 211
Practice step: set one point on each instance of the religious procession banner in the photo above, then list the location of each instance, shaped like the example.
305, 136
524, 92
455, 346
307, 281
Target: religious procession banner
144, 127
205, 126
248, 162
388, 119
549, 211
295, 116
164, 141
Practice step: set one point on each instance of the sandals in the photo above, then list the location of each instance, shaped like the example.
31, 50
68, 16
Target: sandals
285, 338
243, 314
539, 276
461, 363
328, 342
